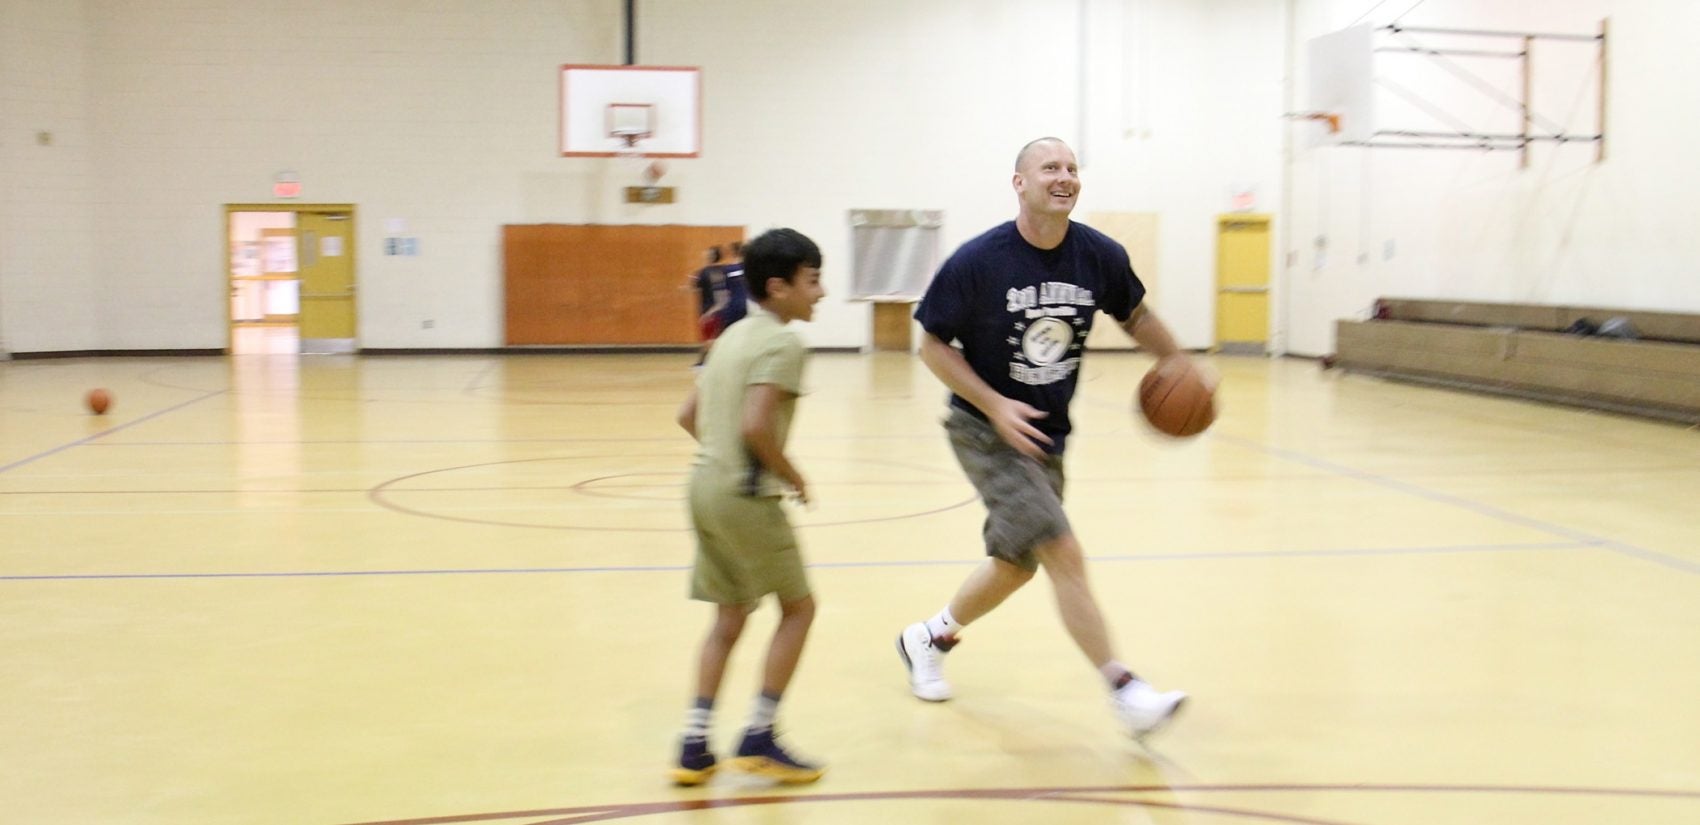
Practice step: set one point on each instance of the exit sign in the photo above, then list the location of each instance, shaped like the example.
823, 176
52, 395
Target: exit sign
286, 185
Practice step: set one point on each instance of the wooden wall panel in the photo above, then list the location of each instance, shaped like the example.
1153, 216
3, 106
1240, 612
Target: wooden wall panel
893, 325
604, 284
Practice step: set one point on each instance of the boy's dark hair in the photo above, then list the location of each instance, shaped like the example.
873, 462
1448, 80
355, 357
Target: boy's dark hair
776, 253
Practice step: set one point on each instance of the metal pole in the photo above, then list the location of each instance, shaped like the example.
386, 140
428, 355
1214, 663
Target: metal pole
1080, 72
1528, 81
1281, 337
1502, 138
631, 32
1453, 52
1487, 33
1600, 154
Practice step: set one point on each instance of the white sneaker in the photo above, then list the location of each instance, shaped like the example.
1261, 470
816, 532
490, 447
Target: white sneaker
1144, 710
924, 661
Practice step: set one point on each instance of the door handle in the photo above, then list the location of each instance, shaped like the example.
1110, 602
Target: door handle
1243, 290
347, 294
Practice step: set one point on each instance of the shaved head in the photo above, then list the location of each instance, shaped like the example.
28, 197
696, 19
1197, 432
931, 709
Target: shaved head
1021, 156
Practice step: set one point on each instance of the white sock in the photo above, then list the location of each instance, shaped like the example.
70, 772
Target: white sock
766, 708
697, 719
944, 625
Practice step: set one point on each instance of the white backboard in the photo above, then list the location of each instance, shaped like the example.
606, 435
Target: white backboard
597, 101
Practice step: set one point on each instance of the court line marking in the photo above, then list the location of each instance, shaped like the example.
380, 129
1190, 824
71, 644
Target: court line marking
1576, 536
1480, 508
1078, 795
106, 432
841, 565
381, 494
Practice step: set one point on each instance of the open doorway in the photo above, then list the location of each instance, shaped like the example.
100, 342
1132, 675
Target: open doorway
265, 283
291, 278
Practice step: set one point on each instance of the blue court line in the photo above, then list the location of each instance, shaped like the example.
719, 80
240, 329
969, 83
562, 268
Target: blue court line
970, 560
106, 432
313, 574
1621, 548
632, 439
1354, 551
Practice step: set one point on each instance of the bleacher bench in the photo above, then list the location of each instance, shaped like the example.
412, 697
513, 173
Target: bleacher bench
1524, 350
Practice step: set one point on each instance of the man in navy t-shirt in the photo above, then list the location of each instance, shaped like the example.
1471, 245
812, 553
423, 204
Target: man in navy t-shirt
1022, 314
1019, 301
737, 293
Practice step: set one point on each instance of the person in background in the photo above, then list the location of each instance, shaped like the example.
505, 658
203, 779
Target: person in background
710, 285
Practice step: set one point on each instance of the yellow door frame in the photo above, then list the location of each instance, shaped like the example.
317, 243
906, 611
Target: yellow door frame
229, 282
1243, 279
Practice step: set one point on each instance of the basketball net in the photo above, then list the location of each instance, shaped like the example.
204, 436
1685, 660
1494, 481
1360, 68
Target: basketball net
629, 161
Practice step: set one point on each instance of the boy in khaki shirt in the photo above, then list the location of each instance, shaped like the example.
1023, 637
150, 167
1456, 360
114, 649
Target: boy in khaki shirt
740, 414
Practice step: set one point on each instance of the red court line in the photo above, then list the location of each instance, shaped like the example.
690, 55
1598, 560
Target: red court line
603, 813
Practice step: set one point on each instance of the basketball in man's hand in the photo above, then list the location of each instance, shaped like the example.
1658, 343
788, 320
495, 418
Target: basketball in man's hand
1177, 399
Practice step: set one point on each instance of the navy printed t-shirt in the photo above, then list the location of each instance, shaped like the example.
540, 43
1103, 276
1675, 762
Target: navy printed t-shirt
737, 293
1020, 314
710, 279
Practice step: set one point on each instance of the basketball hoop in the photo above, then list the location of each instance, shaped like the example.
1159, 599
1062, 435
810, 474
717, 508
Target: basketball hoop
627, 155
1332, 119
633, 166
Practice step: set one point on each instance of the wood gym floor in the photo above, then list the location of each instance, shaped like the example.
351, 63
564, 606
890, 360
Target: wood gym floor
280, 589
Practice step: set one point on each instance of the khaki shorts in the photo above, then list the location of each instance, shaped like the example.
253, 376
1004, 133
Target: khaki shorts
745, 546
1023, 497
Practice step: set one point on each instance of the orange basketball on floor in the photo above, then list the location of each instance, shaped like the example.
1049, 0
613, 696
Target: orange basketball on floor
1177, 400
99, 400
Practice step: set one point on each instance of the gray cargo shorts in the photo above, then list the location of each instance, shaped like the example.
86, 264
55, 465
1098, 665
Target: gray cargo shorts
1023, 496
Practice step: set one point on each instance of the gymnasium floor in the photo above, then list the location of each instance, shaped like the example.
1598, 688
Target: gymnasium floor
280, 589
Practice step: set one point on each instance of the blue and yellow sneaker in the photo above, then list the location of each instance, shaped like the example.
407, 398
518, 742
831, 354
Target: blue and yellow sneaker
761, 755
696, 764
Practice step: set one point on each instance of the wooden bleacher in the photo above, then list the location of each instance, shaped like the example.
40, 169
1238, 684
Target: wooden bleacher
1524, 350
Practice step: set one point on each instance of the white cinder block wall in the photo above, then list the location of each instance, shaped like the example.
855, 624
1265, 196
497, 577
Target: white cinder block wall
895, 104
438, 113
443, 116
1472, 225
50, 285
